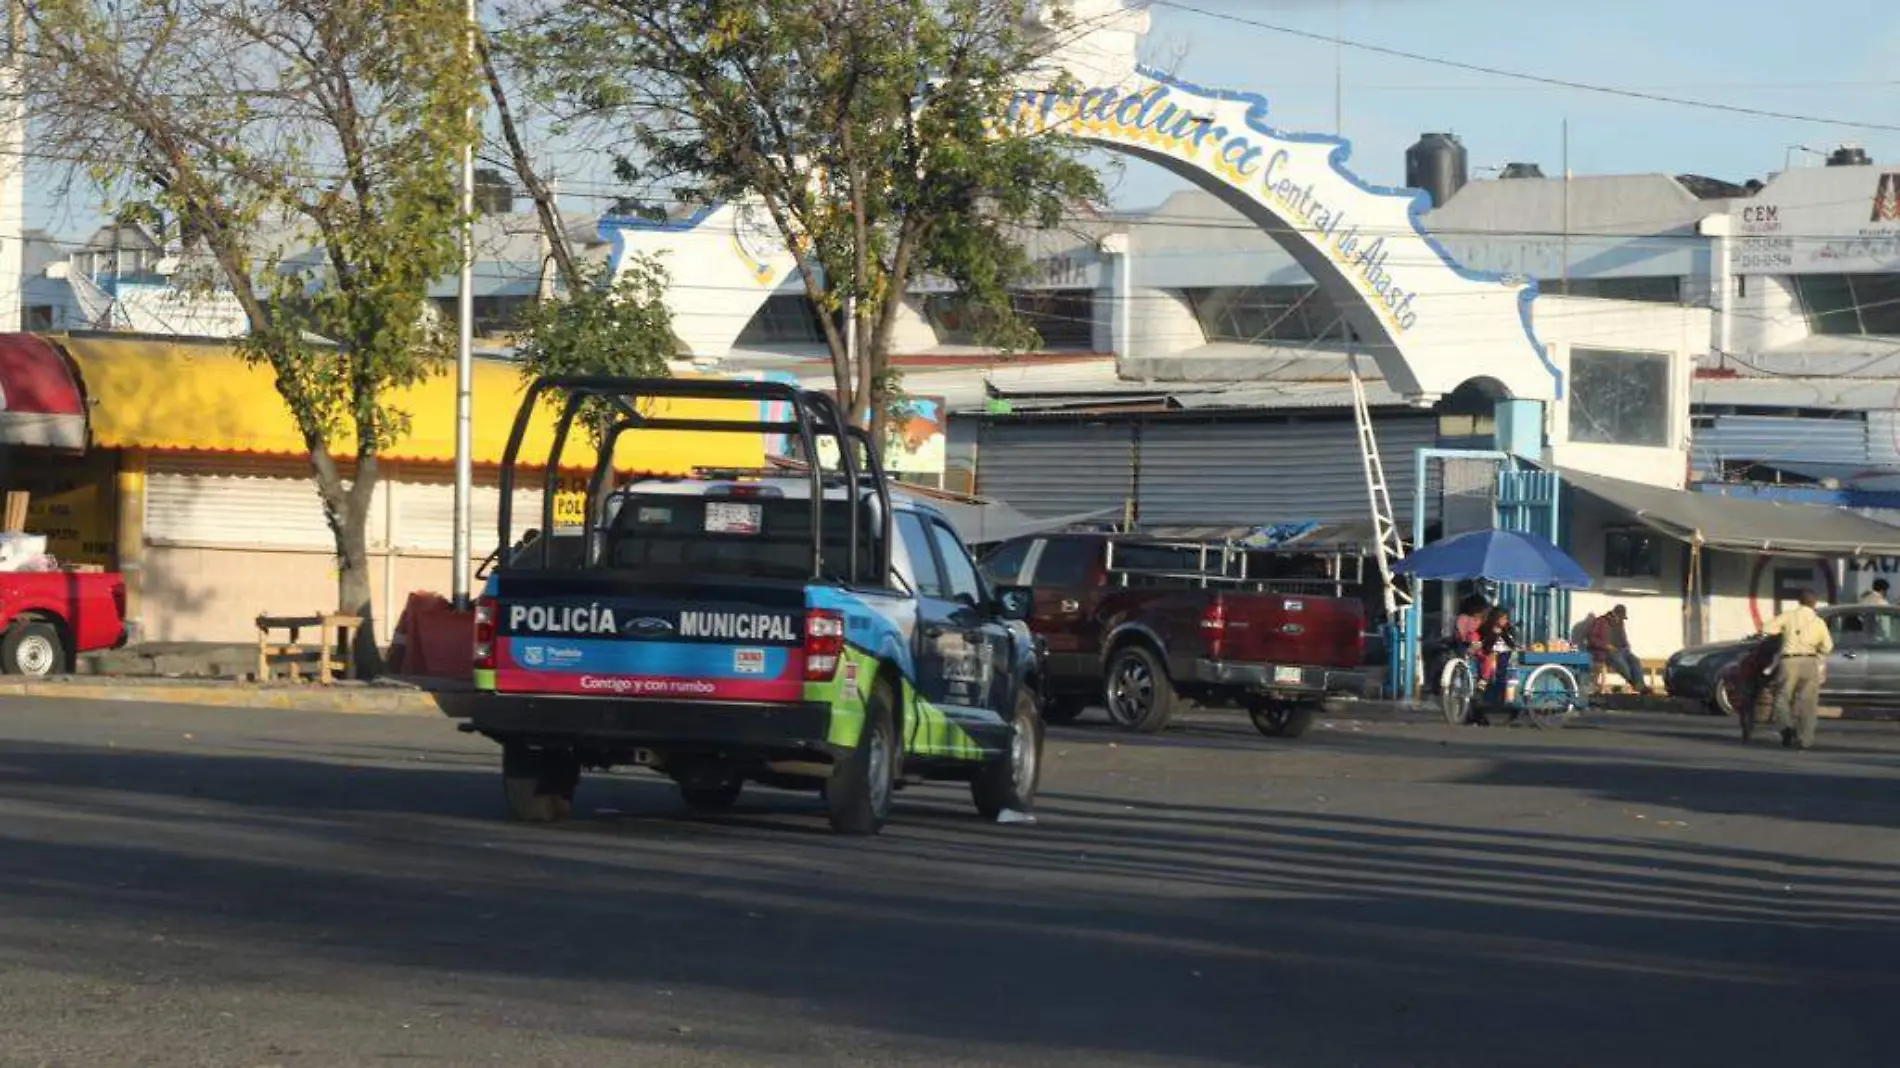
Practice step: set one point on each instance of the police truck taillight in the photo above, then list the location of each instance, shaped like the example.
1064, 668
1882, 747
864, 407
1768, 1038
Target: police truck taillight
824, 644
485, 633
1214, 628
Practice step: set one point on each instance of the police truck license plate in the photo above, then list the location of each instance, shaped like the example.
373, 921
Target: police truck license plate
724, 517
1287, 674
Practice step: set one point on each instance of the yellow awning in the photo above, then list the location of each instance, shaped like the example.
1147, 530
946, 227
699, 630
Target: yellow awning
202, 397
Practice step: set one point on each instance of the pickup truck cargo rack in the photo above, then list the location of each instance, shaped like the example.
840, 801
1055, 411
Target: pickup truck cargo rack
1222, 565
813, 416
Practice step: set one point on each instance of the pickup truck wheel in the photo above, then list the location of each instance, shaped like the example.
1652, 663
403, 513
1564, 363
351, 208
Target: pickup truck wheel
859, 790
718, 797
1283, 719
1064, 709
1140, 695
33, 649
1010, 782
540, 785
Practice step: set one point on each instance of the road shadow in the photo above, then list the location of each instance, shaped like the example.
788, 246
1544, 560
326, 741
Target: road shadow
1182, 933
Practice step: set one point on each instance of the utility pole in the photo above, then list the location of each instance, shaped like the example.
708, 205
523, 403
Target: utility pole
1339, 68
1564, 267
465, 355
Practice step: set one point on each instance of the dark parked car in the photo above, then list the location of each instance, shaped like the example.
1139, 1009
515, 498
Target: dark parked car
1864, 669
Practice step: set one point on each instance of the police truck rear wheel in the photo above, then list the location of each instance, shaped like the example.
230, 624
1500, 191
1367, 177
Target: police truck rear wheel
1009, 782
859, 791
538, 784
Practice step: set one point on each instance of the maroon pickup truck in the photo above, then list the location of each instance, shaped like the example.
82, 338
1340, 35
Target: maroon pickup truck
1137, 626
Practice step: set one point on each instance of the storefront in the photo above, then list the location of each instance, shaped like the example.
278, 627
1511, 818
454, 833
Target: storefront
196, 485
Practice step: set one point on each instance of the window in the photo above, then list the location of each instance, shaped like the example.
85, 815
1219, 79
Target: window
1061, 318
960, 575
1066, 562
1656, 289
928, 578
1850, 303
782, 319
1266, 313
1631, 554
1006, 561
1619, 398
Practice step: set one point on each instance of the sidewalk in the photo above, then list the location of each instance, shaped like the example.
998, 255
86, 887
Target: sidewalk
389, 696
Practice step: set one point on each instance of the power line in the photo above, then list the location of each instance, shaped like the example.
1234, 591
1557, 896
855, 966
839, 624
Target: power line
1500, 72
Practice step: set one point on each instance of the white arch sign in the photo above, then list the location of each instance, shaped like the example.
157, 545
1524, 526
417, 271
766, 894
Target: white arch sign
1430, 324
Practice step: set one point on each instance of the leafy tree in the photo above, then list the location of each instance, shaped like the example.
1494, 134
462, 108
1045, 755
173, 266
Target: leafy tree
869, 130
277, 128
602, 326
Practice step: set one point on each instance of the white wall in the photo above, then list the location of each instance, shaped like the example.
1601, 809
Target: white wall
1681, 334
1766, 314
1161, 322
1656, 626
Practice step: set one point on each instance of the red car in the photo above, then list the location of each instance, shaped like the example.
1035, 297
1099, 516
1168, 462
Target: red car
49, 617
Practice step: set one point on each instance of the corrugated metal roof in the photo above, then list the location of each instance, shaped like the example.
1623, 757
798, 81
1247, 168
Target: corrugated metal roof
1836, 394
1289, 395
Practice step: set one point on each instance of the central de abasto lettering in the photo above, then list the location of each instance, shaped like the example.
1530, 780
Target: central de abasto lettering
1151, 119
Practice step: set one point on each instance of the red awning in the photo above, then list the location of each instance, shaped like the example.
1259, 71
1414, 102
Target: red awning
40, 400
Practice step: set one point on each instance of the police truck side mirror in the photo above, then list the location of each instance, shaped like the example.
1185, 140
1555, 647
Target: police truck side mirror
1014, 603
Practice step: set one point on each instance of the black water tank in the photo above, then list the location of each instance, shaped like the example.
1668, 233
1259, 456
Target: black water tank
1849, 156
1521, 170
1437, 165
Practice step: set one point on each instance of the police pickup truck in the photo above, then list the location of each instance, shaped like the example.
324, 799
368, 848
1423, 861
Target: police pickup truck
804, 631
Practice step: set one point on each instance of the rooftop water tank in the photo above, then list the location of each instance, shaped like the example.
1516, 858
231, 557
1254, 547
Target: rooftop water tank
1848, 155
1437, 164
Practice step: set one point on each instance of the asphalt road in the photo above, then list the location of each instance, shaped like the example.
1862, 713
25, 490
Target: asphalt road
212, 887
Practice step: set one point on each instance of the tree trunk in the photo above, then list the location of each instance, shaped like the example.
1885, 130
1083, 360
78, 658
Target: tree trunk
353, 590
346, 509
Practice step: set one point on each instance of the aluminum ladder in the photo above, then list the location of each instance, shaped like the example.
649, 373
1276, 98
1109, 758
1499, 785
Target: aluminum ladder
1385, 523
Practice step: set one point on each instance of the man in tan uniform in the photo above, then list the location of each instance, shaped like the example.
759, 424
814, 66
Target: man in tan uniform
1805, 643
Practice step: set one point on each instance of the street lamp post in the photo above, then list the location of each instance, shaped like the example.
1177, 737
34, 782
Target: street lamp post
465, 358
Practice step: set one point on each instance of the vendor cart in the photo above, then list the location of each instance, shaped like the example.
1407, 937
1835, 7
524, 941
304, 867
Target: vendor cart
1539, 682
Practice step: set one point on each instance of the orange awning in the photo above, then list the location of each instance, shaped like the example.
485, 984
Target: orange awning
198, 396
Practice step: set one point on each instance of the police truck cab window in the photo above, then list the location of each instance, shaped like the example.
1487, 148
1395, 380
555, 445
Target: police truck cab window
925, 574
960, 576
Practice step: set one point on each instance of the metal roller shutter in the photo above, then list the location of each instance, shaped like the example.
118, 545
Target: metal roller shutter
1258, 472
423, 510
1045, 468
249, 501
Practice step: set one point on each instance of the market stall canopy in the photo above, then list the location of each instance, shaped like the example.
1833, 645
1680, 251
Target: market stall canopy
40, 403
988, 522
1498, 555
1744, 526
169, 395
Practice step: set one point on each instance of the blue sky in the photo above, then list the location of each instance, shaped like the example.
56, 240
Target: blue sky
1825, 58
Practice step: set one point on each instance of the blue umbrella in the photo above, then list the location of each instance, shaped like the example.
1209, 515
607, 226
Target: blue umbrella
1498, 555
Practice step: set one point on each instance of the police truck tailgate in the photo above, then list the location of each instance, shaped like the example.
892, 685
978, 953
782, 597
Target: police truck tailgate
707, 641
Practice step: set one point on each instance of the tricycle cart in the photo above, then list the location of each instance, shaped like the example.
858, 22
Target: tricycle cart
1541, 686
1540, 682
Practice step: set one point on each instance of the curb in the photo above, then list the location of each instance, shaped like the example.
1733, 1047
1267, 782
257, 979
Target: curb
353, 700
